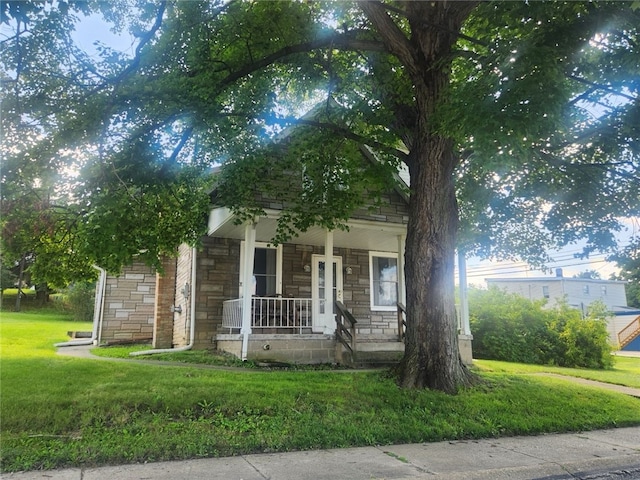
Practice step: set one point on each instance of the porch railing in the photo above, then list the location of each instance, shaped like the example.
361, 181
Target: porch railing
345, 332
270, 312
402, 322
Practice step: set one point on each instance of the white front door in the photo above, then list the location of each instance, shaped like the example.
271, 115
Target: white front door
323, 317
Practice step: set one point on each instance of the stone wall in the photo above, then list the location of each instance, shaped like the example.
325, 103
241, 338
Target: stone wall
165, 296
129, 305
392, 208
182, 295
302, 349
218, 274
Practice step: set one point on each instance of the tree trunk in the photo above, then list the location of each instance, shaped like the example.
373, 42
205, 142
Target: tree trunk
432, 358
18, 306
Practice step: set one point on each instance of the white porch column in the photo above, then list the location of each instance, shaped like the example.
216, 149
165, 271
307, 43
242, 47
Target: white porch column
402, 289
465, 327
247, 282
329, 322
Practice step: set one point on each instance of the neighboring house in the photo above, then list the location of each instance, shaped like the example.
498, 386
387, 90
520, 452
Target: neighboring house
241, 295
579, 293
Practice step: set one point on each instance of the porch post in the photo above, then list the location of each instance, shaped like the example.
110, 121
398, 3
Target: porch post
402, 290
329, 326
247, 282
465, 328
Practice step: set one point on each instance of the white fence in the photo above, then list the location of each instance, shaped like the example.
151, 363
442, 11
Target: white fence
270, 312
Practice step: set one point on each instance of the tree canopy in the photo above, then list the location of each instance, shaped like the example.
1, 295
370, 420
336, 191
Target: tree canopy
519, 123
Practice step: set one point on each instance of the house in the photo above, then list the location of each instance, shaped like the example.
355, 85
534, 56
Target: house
240, 294
579, 293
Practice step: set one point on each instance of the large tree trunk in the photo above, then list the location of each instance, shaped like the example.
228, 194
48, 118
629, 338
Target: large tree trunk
432, 358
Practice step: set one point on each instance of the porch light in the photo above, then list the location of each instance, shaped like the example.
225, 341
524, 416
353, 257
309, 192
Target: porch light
348, 270
307, 268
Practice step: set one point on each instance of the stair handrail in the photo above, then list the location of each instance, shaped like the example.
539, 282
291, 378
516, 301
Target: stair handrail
629, 333
345, 334
402, 322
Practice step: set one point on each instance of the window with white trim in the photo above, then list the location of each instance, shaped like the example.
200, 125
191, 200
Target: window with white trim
383, 268
267, 270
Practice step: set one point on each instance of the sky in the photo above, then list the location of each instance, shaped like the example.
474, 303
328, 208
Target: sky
479, 270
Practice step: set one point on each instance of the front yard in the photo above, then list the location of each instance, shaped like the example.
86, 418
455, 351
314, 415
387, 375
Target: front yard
59, 411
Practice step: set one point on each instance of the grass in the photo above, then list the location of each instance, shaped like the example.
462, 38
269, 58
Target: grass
61, 411
626, 371
199, 357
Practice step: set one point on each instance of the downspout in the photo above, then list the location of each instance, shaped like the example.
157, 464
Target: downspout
192, 317
98, 313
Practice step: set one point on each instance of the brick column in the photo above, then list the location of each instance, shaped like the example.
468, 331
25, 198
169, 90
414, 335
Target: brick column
165, 298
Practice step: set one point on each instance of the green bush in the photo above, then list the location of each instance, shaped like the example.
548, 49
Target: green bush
78, 299
587, 340
512, 328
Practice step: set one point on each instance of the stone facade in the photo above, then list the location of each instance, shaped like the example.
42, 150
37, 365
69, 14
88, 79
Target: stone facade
165, 294
129, 306
218, 273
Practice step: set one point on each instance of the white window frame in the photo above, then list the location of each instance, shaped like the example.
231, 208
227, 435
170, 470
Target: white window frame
373, 306
278, 250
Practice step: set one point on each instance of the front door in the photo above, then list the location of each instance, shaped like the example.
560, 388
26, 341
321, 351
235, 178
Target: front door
323, 315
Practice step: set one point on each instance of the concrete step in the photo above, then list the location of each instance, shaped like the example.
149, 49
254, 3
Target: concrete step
372, 347
377, 338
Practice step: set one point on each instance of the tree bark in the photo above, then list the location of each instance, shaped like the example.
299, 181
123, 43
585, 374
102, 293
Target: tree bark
432, 358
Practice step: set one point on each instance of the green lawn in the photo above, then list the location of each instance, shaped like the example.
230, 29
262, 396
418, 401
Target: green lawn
626, 371
61, 411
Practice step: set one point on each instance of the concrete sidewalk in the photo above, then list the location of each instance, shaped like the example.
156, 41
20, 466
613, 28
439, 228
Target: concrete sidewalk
559, 456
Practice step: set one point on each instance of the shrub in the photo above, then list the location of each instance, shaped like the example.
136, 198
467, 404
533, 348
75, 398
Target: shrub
78, 299
586, 341
512, 328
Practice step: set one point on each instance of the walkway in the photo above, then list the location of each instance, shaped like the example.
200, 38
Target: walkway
561, 456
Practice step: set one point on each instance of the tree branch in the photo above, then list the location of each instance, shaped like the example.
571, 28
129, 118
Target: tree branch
349, 135
394, 39
343, 41
602, 87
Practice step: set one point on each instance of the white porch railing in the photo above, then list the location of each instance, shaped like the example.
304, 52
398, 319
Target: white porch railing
270, 312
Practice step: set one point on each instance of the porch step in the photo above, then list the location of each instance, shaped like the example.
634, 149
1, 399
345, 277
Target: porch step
372, 347
378, 354
377, 338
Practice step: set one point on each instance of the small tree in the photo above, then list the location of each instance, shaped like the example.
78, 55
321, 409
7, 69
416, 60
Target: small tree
586, 341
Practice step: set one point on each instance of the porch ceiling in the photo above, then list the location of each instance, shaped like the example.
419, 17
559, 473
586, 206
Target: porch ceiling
365, 235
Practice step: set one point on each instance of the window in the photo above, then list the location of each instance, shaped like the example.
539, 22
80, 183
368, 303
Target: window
267, 270
603, 290
545, 291
384, 281
585, 289
264, 272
